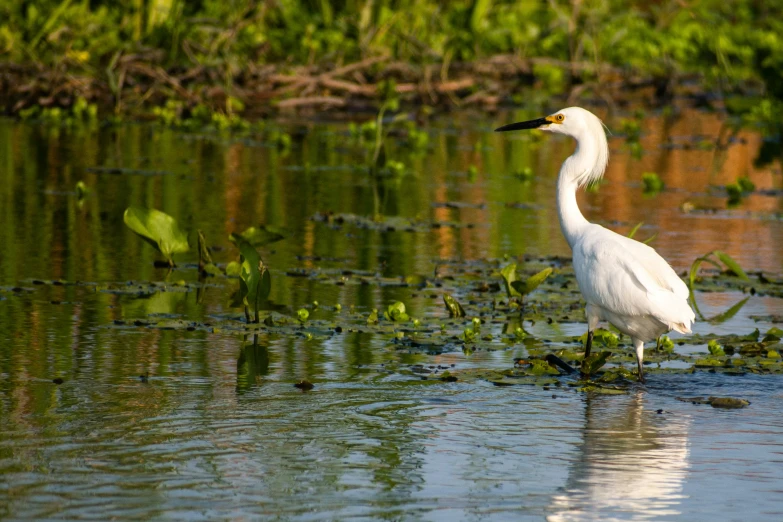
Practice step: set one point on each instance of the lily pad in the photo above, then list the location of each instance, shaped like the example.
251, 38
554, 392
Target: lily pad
261, 235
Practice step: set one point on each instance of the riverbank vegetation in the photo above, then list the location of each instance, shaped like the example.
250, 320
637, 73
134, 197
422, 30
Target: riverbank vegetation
257, 58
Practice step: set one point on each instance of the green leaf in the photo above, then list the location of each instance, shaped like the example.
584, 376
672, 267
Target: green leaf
532, 282
715, 348
233, 269
695, 268
203, 251
158, 229
728, 314
600, 335
205, 264
396, 312
732, 265
652, 183
302, 314
595, 362
649, 239
254, 279
261, 235
509, 275
635, 229
452, 305
81, 190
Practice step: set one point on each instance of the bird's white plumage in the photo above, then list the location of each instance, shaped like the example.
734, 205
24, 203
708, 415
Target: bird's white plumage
628, 284
623, 281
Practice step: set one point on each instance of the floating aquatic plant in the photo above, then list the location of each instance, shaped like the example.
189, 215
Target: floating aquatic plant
158, 229
255, 282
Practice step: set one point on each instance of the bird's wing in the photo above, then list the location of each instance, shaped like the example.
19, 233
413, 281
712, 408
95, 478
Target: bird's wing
615, 273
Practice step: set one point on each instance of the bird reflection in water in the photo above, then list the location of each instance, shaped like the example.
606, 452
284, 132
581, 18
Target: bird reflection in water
632, 464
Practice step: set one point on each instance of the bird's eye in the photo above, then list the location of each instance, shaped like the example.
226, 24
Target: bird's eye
559, 118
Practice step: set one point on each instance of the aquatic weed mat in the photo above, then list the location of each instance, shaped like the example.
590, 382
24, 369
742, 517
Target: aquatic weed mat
530, 326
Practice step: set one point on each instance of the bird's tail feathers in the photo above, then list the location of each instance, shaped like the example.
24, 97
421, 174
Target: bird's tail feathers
683, 328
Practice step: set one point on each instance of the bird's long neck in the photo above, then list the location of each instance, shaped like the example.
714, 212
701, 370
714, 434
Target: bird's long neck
571, 218
585, 165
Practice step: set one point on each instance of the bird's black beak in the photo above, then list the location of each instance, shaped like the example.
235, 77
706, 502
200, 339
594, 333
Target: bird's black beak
530, 124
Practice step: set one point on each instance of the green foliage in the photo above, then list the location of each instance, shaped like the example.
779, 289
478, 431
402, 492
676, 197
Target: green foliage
261, 235
653, 184
666, 344
396, 312
728, 261
81, 190
158, 229
509, 275
594, 362
516, 288
716, 350
737, 190
603, 337
255, 282
302, 314
524, 174
732, 45
452, 305
205, 264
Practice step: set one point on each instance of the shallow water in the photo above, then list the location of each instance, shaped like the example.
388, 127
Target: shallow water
219, 431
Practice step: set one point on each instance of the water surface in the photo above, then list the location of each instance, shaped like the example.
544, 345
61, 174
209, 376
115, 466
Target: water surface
217, 430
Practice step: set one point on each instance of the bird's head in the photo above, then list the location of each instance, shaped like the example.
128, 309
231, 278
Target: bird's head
573, 121
585, 128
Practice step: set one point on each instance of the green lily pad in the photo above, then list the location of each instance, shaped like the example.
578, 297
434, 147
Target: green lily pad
261, 235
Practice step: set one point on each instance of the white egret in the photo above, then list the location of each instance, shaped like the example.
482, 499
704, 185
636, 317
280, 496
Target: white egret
623, 281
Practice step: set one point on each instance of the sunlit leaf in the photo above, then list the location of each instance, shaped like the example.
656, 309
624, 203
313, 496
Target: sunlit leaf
396, 312
635, 229
532, 282
261, 235
452, 305
509, 275
695, 268
728, 314
732, 265
594, 362
158, 229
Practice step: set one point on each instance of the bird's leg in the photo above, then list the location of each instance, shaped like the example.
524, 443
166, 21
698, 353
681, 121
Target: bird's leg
639, 345
589, 343
588, 346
